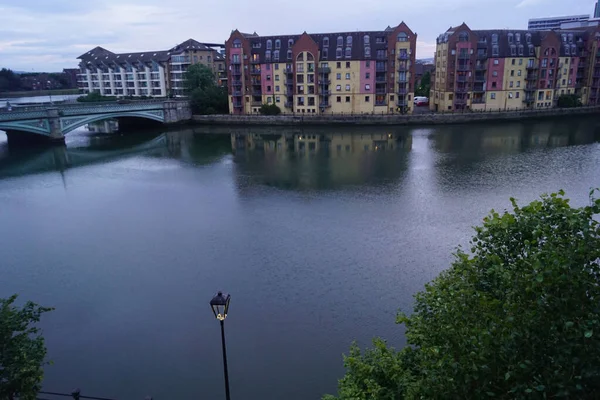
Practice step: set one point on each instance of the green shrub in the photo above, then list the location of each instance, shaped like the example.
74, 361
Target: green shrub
569, 101
269, 109
95, 97
518, 318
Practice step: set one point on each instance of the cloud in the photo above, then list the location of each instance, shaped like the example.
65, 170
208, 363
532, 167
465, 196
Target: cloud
50, 34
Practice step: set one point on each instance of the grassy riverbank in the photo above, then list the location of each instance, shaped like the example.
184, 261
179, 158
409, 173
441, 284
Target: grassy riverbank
31, 93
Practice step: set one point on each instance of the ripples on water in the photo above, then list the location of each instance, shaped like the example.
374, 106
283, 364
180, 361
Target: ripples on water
321, 235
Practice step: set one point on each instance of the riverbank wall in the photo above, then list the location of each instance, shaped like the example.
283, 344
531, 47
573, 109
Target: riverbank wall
391, 119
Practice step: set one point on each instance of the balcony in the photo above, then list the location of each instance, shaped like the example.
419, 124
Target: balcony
324, 70
403, 56
255, 71
461, 78
461, 90
401, 103
464, 56
236, 73
380, 79
289, 81
324, 92
236, 62
288, 104
460, 101
531, 77
481, 67
531, 66
380, 91
256, 93
479, 78
402, 92
237, 83
289, 70
324, 105
402, 67
462, 67
381, 68
324, 81
478, 100
402, 79
381, 103
237, 105
530, 88
478, 89
236, 93
482, 56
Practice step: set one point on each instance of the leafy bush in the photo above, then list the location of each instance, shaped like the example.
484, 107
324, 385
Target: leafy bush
516, 319
22, 350
569, 101
269, 109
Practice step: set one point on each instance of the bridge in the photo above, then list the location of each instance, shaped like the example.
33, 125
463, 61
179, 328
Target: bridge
51, 124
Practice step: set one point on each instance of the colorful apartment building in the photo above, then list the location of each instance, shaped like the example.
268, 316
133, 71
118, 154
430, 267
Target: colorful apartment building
330, 73
148, 73
487, 70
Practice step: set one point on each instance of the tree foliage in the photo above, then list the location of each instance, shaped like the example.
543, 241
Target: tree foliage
518, 318
269, 109
569, 101
205, 96
22, 349
9, 81
425, 85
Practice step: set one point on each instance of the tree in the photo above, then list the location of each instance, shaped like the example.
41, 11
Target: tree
205, 96
22, 350
9, 81
424, 86
269, 109
569, 101
518, 318
198, 76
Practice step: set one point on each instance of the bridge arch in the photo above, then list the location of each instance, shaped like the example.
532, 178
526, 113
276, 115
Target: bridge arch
69, 124
38, 128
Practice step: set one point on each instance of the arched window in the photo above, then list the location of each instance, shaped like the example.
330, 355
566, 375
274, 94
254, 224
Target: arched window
268, 55
521, 50
237, 43
276, 55
277, 44
518, 37
300, 57
340, 41
367, 52
495, 38
402, 37
326, 41
348, 52
367, 40
269, 44
495, 50
528, 37
511, 38
531, 50
570, 38
463, 37
553, 51
289, 54
513, 50
290, 42
338, 52
348, 40
309, 57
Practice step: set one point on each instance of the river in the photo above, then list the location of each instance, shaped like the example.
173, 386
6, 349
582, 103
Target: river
320, 236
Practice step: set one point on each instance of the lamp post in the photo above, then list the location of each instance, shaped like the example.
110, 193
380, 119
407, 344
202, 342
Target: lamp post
220, 306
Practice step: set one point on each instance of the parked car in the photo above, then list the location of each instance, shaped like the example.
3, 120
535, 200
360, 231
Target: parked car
421, 101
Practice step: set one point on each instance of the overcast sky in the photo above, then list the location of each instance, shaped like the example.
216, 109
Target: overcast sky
48, 35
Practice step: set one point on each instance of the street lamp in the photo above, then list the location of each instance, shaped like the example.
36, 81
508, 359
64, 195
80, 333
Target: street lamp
220, 306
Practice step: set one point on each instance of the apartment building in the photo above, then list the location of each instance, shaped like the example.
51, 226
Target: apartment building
514, 69
330, 73
549, 23
149, 73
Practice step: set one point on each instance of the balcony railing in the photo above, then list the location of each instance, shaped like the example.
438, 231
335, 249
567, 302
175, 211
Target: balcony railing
481, 67
531, 77
324, 70
288, 104
403, 56
324, 105
237, 105
531, 66
236, 62
380, 79
236, 93
461, 78
402, 67
464, 56
478, 89
401, 103
462, 67
478, 100
381, 103
461, 90
236, 73
255, 71
324, 92
479, 78
460, 101
381, 68
380, 91
482, 56
402, 79
402, 91
324, 81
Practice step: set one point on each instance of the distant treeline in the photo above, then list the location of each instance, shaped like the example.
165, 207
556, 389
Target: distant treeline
13, 82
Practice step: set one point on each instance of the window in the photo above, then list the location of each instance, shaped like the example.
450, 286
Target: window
517, 95
367, 99
325, 53
518, 72
493, 85
402, 37
237, 43
495, 38
300, 101
367, 52
338, 88
311, 101
512, 72
338, 76
267, 56
277, 44
368, 64
510, 95
276, 67
347, 88
367, 87
521, 50
338, 52
347, 75
347, 99
338, 99
368, 75
277, 88
495, 50
277, 99
338, 65
326, 41
496, 61
367, 40
493, 96
494, 73
289, 54
269, 44
347, 64
510, 84
510, 38
348, 40
268, 77
276, 55
513, 61
340, 41
348, 53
